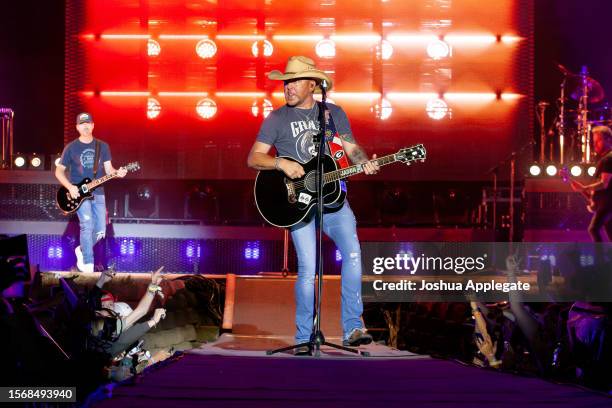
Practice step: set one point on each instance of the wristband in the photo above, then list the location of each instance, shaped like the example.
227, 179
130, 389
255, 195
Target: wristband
277, 163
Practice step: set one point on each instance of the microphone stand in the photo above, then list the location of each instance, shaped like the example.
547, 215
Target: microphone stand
317, 339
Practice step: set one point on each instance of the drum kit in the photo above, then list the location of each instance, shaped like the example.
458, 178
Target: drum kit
580, 107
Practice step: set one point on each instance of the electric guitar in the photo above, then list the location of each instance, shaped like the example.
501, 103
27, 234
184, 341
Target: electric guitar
590, 196
69, 205
284, 202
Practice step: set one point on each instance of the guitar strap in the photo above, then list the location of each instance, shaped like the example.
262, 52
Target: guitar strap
334, 143
96, 160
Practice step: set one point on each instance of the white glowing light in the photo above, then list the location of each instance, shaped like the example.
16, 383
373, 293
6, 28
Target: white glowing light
19, 161
382, 110
591, 171
35, 162
551, 170
535, 170
576, 170
206, 108
257, 105
153, 48
326, 49
268, 49
386, 50
436, 109
206, 48
438, 49
153, 108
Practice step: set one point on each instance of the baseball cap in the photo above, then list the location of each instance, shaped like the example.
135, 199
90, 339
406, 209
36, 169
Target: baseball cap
84, 117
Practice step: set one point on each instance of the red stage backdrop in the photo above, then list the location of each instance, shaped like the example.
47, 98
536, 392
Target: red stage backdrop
180, 84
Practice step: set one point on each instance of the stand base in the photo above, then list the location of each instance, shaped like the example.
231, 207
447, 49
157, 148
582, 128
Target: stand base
316, 341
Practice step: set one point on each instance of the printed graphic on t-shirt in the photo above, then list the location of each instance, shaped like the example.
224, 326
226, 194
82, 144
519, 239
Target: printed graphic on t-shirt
87, 158
304, 133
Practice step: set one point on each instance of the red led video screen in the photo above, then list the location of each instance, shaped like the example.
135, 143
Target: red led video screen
181, 85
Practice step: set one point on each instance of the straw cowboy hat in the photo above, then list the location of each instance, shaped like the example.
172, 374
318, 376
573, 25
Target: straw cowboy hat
301, 67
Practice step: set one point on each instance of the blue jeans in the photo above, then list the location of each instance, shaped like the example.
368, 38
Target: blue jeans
92, 223
341, 227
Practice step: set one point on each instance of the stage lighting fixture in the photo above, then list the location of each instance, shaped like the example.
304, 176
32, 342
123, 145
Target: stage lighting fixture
265, 107
576, 170
142, 203
386, 50
382, 110
193, 250
153, 108
268, 49
153, 48
551, 170
325, 49
19, 161
338, 255
437, 109
36, 161
535, 170
56, 159
127, 247
206, 108
591, 171
438, 49
55, 252
206, 48
251, 251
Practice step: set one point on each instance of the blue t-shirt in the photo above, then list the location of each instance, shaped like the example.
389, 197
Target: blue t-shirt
290, 130
78, 157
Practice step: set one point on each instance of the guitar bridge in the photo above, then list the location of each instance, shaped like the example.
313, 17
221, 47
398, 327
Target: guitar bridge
290, 191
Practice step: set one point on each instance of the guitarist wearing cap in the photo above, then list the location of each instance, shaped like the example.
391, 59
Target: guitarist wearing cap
290, 129
84, 157
601, 190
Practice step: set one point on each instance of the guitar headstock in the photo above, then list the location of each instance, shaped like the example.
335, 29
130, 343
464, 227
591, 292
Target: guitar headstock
407, 155
133, 166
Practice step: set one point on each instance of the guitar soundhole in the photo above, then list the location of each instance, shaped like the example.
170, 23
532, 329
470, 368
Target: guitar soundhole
310, 181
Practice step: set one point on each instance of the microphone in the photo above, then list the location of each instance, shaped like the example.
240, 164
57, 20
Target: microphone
323, 85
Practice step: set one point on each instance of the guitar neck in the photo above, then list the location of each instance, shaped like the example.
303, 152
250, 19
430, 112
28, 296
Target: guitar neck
357, 168
97, 182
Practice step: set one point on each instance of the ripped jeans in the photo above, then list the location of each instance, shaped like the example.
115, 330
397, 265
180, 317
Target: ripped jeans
341, 227
92, 223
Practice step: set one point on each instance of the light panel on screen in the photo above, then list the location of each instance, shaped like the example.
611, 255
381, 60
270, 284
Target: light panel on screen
454, 75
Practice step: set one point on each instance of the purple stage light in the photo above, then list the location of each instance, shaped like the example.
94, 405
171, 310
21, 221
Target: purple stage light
251, 251
123, 247
338, 255
127, 247
55, 252
193, 250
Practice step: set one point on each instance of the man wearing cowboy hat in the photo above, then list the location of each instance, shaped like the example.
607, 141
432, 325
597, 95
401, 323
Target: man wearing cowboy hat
290, 129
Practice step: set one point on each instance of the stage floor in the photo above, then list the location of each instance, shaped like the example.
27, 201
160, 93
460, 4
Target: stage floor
235, 372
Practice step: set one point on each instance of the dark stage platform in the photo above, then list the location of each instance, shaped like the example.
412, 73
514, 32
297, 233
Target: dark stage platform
244, 376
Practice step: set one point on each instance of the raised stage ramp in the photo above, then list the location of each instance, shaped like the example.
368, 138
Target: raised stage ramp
198, 380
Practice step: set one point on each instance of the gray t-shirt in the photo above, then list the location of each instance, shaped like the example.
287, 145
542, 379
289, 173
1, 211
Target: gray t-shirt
291, 130
79, 158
